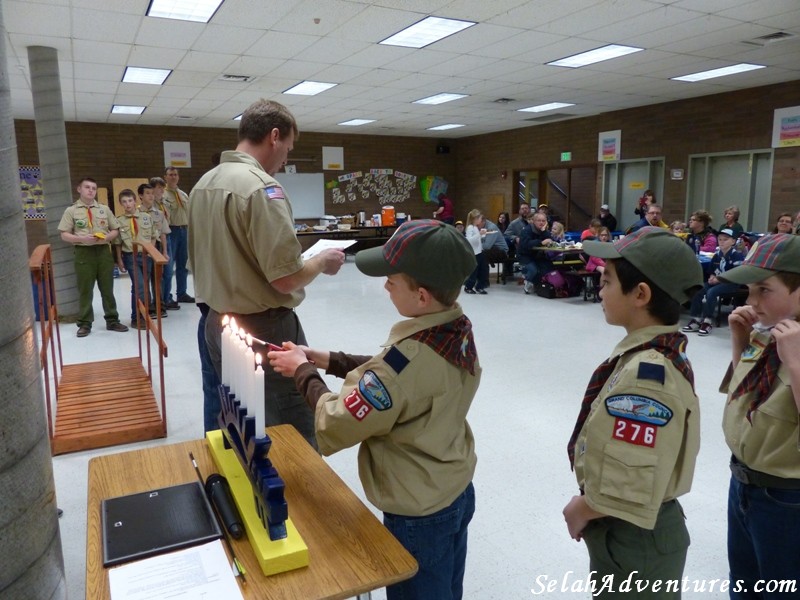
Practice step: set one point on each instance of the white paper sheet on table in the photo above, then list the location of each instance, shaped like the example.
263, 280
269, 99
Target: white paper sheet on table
198, 572
325, 244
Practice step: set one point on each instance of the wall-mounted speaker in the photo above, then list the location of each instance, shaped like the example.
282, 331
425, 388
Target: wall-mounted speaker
442, 149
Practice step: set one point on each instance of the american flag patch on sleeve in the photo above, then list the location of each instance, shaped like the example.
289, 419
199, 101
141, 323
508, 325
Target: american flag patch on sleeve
274, 192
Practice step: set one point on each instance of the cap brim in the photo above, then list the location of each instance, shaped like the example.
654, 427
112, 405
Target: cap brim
600, 249
372, 262
746, 274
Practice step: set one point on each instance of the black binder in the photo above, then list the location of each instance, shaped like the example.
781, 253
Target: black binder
154, 522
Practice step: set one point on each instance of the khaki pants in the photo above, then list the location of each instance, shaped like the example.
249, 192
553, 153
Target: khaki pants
95, 264
622, 554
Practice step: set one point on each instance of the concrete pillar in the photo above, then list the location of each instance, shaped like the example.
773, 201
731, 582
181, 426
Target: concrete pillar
51, 136
31, 562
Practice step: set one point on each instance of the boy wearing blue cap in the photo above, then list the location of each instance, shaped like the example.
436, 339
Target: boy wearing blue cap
407, 405
634, 445
761, 422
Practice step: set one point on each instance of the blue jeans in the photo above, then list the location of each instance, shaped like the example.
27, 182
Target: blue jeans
135, 270
179, 258
166, 274
475, 279
711, 293
439, 544
211, 404
763, 534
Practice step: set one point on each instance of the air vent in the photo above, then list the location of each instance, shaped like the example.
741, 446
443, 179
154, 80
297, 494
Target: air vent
504, 100
770, 38
236, 78
184, 118
553, 117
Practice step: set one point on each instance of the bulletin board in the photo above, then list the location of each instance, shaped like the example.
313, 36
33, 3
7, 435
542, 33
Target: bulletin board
306, 192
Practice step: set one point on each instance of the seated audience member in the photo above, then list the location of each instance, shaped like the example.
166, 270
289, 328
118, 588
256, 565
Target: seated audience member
557, 232
535, 263
679, 229
475, 233
460, 226
701, 237
725, 258
495, 250
513, 233
591, 231
731, 215
784, 224
644, 203
607, 219
797, 223
502, 221
651, 218
595, 263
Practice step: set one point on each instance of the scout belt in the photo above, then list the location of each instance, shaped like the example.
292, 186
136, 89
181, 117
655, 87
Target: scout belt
748, 476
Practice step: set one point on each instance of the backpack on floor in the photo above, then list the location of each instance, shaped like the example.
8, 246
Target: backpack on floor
558, 282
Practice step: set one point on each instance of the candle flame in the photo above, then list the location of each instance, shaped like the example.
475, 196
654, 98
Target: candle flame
225, 320
258, 360
234, 327
248, 340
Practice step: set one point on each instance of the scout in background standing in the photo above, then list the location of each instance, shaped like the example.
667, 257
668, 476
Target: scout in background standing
134, 226
178, 203
161, 225
407, 405
760, 421
159, 185
636, 439
90, 227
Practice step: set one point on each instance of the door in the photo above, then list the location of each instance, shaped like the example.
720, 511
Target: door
624, 182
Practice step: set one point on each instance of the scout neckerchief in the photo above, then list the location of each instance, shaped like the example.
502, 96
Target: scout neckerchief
177, 197
671, 345
760, 378
89, 216
133, 227
162, 207
453, 341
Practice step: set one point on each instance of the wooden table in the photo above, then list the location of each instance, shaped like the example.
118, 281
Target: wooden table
350, 551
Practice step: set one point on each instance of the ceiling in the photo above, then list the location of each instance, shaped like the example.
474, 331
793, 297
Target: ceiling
282, 42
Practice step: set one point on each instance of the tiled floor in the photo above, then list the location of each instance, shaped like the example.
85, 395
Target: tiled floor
537, 356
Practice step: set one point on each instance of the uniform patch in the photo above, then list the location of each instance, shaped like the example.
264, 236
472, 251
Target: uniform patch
395, 359
374, 392
753, 351
652, 371
81, 223
635, 433
638, 408
274, 192
356, 405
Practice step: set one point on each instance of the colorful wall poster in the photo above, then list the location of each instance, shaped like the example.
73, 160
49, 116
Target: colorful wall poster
30, 182
609, 145
786, 127
178, 155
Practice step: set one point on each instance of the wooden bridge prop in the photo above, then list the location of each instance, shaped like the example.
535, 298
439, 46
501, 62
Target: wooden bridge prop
107, 402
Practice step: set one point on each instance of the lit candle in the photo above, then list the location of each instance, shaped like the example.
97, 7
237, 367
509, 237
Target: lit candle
247, 372
225, 348
258, 397
233, 336
240, 368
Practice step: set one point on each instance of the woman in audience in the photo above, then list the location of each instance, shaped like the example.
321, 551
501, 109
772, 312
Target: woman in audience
731, 215
535, 263
784, 224
591, 231
701, 237
474, 233
725, 258
595, 263
502, 221
644, 203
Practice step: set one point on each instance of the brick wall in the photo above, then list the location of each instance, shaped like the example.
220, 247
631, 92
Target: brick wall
728, 122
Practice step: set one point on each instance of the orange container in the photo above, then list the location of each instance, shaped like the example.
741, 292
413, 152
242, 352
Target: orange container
387, 216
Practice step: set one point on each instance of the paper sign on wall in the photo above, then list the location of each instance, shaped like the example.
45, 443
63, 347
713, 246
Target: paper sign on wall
609, 145
786, 127
333, 158
177, 154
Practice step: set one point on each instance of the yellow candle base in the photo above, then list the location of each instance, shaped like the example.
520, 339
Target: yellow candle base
273, 556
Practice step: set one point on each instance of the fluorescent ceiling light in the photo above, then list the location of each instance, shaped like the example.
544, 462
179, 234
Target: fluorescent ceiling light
357, 122
121, 109
427, 31
722, 72
145, 75
440, 98
595, 56
199, 11
309, 88
444, 127
239, 118
545, 107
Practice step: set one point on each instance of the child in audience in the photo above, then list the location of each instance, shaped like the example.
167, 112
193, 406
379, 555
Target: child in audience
591, 231
760, 420
636, 439
725, 258
679, 228
595, 263
557, 232
475, 233
407, 405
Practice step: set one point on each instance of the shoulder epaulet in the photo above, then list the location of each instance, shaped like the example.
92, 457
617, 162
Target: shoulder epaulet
396, 359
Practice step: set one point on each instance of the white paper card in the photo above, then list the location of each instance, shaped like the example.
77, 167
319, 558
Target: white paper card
325, 244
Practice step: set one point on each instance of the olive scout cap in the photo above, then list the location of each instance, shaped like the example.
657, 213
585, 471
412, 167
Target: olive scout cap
660, 255
770, 254
431, 252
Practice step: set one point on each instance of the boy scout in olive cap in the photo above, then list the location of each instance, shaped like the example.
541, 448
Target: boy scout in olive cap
407, 405
760, 420
637, 435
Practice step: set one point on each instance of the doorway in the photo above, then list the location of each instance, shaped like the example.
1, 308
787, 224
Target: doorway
625, 181
568, 191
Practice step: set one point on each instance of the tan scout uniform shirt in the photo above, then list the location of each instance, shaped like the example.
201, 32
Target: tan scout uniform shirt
160, 222
78, 221
638, 446
417, 452
771, 443
235, 275
178, 210
145, 230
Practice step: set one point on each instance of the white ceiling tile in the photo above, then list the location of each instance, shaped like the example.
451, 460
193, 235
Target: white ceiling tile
226, 39
104, 26
195, 60
155, 58
279, 44
100, 52
374, 24
297, 70
332, 50
255, 66
168, 33
312, 17
198, 79
24, 17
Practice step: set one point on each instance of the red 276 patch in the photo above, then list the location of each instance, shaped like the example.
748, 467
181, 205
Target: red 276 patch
635, 432
357, 406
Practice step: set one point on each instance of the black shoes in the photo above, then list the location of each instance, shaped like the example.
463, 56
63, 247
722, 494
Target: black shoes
83, 331
171, 305
113, 327
186, 298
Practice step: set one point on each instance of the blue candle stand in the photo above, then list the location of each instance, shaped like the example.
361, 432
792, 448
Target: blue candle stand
257, 488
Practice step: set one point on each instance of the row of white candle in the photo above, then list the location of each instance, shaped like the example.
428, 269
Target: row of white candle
242, 371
